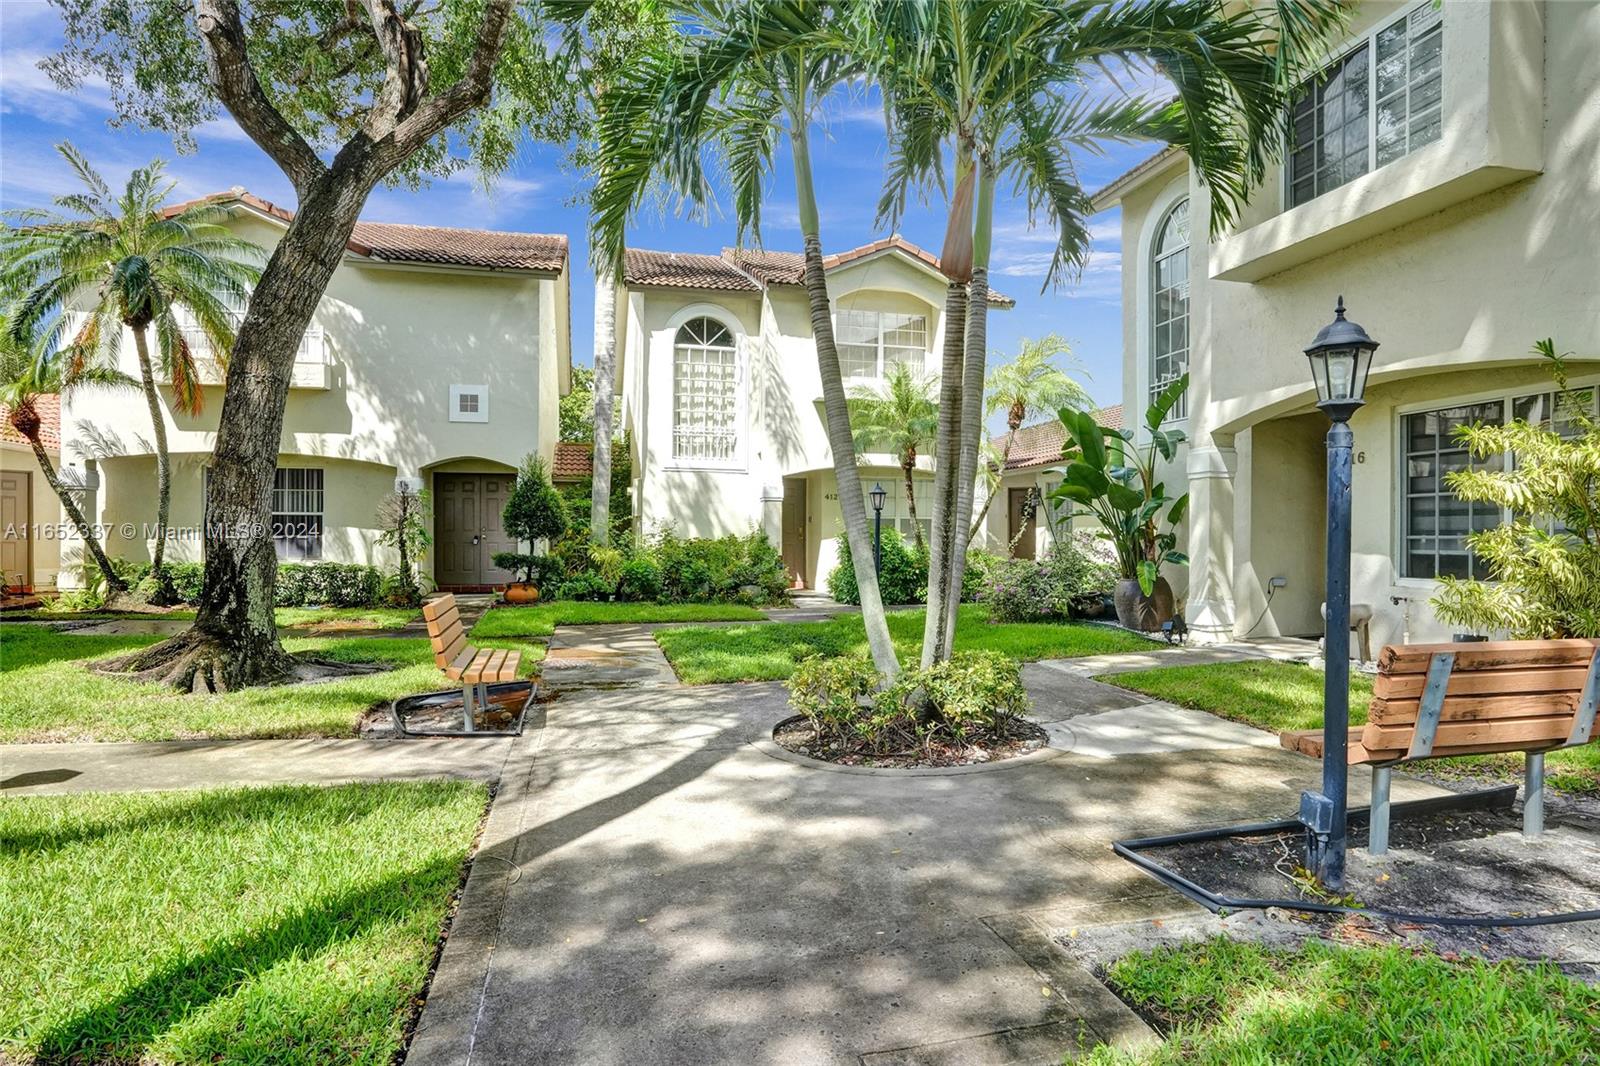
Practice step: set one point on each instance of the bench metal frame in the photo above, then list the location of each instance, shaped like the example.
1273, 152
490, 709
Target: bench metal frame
471, 696
1440, 665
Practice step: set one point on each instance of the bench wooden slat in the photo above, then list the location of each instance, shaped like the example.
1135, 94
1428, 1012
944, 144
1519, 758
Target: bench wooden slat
473, 674
491, 668
460, 662
446, 622
509, 668
1503, 682
434, 608
1547, 729
1477, 708
1487, 655
1309, 742
446, 638
449, 653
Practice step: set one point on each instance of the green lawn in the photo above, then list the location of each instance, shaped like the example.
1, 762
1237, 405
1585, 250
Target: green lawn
541, 619
1277, 696
288, 617
275, 925
46, 694
1227, 1003
769, 652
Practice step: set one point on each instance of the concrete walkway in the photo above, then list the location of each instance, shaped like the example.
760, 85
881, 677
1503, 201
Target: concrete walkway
668, 887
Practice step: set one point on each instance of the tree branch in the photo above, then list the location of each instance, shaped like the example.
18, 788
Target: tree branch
436, 113
235, 81
406, 80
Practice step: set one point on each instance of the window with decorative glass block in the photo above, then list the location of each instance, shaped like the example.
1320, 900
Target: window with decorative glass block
297, 513
1169, 327
705, 393
1437, 522
870, 342
1381, 100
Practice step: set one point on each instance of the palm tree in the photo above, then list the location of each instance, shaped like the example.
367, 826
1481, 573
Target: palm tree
138, 267
1030, 383
1008, 89
32, 366
901, 417
744, 75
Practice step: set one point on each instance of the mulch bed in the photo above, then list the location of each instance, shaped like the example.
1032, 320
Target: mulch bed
1019, 738
1445, 863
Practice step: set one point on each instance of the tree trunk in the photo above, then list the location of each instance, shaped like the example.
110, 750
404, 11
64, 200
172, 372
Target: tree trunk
114, 584
836, 409
234, 640
605, 354
908, 466
974, 366
988, 500
945, 458
158, 426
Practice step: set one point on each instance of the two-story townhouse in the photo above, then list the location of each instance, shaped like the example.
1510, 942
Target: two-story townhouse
720, 392
436, 357
1443, 174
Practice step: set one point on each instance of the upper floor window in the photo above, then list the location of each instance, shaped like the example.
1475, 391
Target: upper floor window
1381, 100
1169, 337
1437, 521
870, 342
705, 394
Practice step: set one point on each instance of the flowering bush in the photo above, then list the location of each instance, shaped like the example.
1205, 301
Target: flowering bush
1067, 581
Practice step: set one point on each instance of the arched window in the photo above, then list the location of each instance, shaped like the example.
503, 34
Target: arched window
1169, 325
705, 394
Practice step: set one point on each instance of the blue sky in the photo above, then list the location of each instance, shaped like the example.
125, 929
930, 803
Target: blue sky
539, 194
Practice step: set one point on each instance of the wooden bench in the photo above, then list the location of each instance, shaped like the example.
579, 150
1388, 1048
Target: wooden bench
475, 668
1433, 701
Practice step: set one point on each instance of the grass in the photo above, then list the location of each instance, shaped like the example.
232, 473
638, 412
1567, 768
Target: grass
1226, 1003
47, 695
769, 652
288, 617
290, 924
1278, 696
541, 619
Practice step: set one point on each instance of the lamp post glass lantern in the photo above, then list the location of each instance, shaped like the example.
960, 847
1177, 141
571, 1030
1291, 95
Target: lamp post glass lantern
1340, 357
878, 497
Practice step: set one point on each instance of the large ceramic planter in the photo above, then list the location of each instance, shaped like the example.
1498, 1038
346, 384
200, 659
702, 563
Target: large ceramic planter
521, 592
1135, 610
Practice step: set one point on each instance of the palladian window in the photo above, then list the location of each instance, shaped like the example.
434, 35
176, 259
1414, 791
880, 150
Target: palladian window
1169, 326
705, 393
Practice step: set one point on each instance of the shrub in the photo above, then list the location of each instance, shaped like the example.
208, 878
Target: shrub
973, 694
1066, 580
835, 697
189, 579
534, 512
401, 526
903, 577
717, 569
328, 585
639, 580
585, 586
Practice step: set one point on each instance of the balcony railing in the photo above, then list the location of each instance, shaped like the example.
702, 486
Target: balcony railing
311, 370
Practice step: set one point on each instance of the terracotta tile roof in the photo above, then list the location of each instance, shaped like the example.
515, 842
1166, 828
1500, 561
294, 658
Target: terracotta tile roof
49, 408
1040, 444
574, 460
684, 270
402, 243
741, 268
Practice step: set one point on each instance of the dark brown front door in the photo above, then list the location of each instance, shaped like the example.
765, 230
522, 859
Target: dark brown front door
794, 530
1022, 521
467, 529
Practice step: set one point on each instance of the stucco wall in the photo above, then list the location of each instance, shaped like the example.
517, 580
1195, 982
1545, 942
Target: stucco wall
46, 519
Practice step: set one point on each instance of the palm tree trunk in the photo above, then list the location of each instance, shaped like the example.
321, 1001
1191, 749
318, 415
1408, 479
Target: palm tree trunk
909, 468
946, 449
974, 367
605, 354
158, 426
114, 583
835, 407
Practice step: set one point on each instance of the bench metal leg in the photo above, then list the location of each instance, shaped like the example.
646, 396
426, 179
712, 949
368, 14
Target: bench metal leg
1378, 827
466, 707
1533, 795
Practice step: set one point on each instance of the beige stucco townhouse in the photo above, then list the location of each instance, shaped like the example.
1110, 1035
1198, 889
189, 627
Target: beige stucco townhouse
30, 513
437, 357
720, 393
1443, 174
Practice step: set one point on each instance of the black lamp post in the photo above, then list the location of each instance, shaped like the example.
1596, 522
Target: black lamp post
878, 498
1340, 357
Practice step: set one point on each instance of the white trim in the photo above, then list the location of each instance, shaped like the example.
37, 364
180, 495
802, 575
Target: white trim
741, 334
481, 392
1144, 298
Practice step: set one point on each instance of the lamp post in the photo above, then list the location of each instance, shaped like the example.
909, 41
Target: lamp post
878, 497
1340, 357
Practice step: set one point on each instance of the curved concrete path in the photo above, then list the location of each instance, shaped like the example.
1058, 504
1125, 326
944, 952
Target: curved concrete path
654, 887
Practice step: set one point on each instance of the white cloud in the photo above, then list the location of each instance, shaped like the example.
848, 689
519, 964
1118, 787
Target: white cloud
27, 89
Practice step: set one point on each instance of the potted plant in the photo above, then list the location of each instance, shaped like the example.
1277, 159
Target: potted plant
534, 513
1112, 477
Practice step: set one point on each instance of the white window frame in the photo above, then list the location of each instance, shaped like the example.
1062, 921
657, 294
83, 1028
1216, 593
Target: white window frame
741, 429
477, 392
896, 513
1180, 410
878, 375
1369, 40
1507, 398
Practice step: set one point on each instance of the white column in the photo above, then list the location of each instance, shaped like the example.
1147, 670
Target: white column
1209, 610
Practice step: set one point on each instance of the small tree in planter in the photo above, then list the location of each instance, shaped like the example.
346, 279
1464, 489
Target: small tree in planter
533, 513
403, 528
1114, 479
